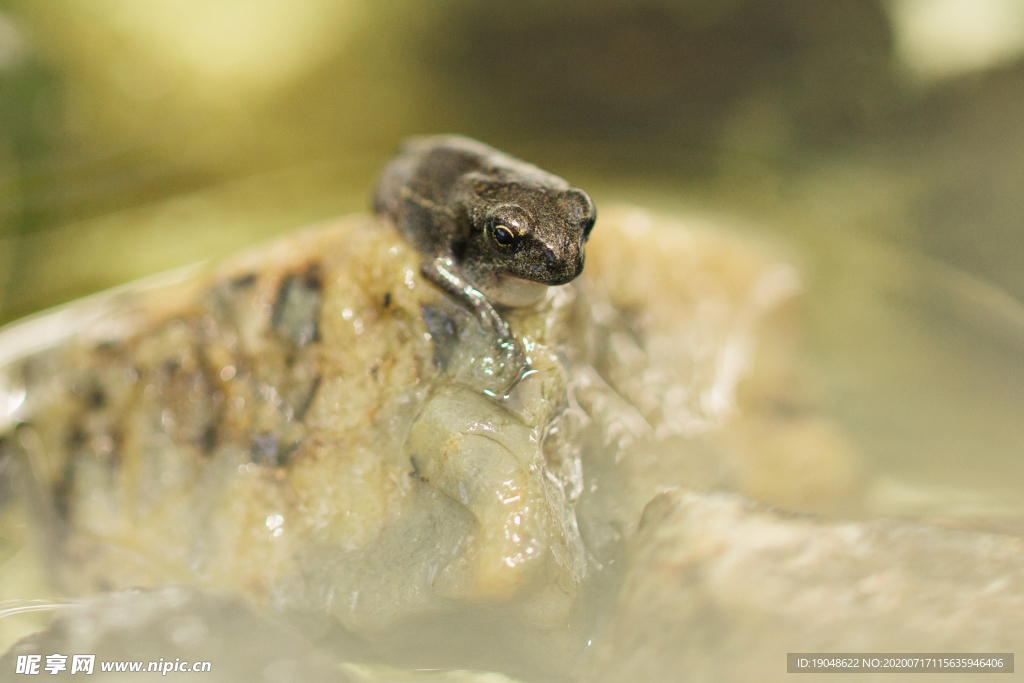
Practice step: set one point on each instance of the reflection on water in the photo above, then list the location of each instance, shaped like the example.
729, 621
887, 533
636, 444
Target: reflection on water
930, 379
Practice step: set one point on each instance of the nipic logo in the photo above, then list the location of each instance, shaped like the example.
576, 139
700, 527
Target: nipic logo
31, 664
82, 664
28, 664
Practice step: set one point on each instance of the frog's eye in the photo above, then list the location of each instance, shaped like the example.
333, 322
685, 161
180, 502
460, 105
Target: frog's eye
503, 235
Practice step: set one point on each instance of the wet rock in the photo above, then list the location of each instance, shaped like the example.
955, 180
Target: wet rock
721, 589
297, 310
315, 428
278, 426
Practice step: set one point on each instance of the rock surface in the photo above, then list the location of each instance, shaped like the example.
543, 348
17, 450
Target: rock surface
247, 427
314, 428
722, 589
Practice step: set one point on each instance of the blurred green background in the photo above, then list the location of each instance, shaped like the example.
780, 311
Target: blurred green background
880, 141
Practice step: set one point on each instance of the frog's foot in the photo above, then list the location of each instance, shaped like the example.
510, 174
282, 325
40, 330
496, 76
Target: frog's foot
491, 366
472, 355
509, 360
495, 363
513, 362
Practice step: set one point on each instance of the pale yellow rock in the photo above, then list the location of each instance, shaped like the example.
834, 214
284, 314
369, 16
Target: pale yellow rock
206, 441
315, 428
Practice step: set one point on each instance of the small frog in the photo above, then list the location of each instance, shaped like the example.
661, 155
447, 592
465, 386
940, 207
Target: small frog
493, 230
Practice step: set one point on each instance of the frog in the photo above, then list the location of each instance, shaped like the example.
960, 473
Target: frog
494, 231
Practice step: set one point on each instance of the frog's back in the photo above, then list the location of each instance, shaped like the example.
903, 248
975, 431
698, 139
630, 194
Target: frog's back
421, 189
427, 167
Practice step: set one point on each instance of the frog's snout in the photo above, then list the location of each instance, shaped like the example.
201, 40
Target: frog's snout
576, 264
559, 268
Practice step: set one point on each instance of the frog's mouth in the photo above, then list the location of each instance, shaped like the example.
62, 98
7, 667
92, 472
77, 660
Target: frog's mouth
513, 291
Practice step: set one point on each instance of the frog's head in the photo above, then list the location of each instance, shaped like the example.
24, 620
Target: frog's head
527, 228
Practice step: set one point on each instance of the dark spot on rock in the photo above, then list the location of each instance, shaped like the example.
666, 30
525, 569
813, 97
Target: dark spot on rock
387, 299
285, 454
96, 398
91, 391
264, 449
171, 366
244, 281
296, 315
208, 441
77, 438
443, 332
416, 474
268, 450
107, 348
303, 408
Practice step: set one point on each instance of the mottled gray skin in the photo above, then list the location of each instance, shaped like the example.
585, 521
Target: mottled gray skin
493, 230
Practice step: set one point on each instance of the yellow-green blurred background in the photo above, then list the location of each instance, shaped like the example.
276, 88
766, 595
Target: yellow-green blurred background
880, 141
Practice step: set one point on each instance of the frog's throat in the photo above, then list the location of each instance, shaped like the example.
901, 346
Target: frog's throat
512, 291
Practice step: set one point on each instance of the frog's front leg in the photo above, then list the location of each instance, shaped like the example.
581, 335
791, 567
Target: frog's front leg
445, 273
